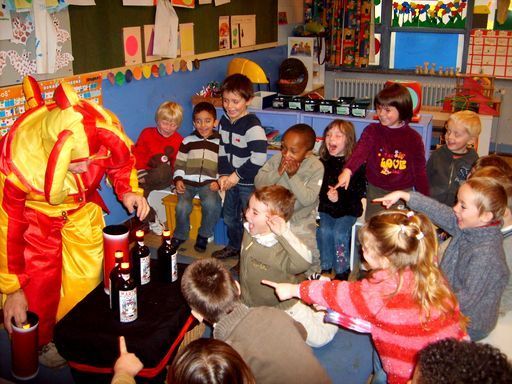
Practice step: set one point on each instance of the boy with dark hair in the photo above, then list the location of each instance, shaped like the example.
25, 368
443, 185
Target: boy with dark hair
243, 150
196, 174
263, 336
271, 251
298, 170
452, 362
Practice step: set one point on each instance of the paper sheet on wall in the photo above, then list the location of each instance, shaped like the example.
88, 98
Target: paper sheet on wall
183, 3
81, 2
224, 32
5, 22
202, 2
46, 38
149, 42
187, 39
166, 30
17, 56
243, 30
221, 2
138, 3
132, 46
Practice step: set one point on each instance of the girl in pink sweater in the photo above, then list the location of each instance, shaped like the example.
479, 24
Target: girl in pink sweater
405, 303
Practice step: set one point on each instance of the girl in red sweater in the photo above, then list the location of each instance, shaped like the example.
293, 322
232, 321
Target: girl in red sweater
405, 303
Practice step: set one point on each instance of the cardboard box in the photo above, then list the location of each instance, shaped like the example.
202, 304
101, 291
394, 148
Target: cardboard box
262, 100
216, 101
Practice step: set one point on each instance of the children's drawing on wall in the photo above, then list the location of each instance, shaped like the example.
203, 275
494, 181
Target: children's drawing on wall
300, 47
18, 51
5, 21
429, 14
224, 32
149, 41
183, 3
132, 46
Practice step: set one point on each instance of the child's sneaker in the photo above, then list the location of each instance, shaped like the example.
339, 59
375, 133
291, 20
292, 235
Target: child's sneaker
176, 243
50, 357
156, 227
201, 243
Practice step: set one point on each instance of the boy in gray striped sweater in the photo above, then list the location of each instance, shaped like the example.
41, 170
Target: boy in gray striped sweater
195, 173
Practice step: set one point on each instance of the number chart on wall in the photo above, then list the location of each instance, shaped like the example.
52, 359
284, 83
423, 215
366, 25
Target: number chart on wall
12, 101
490, 52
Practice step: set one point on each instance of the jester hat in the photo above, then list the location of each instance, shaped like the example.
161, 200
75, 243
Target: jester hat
71, 130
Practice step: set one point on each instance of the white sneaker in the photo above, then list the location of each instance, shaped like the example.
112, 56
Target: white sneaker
50, 357
156, 227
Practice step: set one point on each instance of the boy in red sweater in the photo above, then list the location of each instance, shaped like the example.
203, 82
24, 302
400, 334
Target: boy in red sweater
155, 153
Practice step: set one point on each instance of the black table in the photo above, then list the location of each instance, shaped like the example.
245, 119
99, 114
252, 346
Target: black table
88, 335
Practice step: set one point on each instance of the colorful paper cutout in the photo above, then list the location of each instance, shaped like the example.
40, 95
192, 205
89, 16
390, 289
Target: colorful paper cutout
119, 78
111, 77
128, 76
187, 39
22, 28
137, 73
168, 68
161, 70
132, 46
146, 71
183, 3
224, 33
154, 70
149, 40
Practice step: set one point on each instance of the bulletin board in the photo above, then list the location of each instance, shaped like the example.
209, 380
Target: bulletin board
490, 52
97, 31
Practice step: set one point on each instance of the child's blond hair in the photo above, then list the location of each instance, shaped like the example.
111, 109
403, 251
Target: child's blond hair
469, 120
170, 111
409, 240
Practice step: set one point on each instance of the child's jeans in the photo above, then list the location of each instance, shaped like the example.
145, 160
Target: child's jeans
235, 203
210, 211
333, 238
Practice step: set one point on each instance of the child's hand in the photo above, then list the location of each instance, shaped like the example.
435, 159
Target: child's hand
332, 194
180, 187
284, 291
292, 166
214, 186
276, 224
222, 182
391, 198
282, 166
344, 179
229, 181
127, 362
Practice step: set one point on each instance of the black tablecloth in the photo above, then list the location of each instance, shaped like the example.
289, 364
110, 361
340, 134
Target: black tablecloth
88, 334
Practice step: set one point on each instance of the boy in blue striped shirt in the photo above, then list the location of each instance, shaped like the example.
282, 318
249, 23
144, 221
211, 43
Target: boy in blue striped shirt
242, 152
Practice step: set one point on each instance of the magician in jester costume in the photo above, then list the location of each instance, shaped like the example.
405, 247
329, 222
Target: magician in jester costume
51, 163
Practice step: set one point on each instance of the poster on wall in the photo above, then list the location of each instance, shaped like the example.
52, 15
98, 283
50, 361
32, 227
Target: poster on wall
132, 46
12, 100
243, 30
490, 52
224, 33
17, 55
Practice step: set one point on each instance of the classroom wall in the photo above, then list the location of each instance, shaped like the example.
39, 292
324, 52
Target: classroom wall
135, 103
501, 137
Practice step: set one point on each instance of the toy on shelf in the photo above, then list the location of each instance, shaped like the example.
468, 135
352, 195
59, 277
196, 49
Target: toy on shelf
210, 93
474, 92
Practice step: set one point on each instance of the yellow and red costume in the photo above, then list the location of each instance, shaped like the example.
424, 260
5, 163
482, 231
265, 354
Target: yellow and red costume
51, 220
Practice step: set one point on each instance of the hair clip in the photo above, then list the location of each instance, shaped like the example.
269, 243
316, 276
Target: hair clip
402, 228
420, 236
410, 214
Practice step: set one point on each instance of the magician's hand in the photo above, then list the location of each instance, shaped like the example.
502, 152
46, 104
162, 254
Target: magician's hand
15, 307
132, 200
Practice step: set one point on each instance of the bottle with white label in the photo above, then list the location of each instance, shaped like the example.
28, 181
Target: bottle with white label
167, 259
127, 293
140, 260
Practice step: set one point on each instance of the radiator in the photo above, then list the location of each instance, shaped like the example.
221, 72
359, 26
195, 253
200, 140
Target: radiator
432, 91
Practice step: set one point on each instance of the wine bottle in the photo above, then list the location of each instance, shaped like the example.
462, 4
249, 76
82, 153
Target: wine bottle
112, 279
167, 259
140, 260
127, 293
